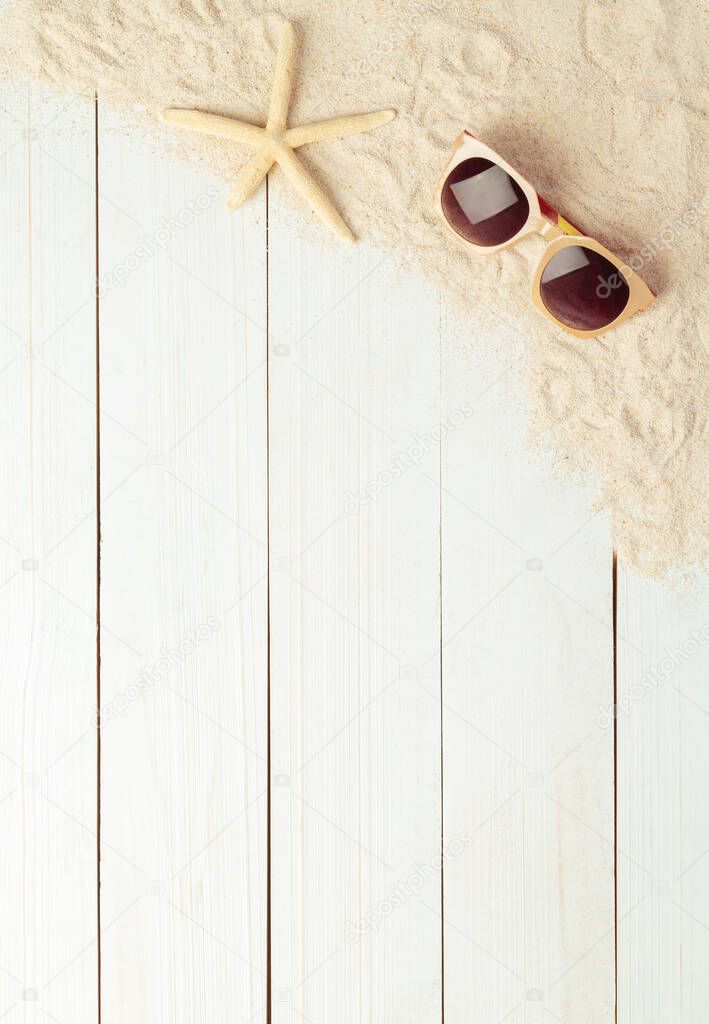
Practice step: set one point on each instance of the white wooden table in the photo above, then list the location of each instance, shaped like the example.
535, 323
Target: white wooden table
357, 651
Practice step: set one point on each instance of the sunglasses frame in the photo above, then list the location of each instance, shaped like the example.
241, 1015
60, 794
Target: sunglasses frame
543, 220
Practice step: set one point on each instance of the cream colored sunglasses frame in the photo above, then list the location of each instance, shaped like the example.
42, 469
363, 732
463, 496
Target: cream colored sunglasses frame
544, 220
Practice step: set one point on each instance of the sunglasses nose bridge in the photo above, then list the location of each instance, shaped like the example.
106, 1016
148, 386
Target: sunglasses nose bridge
549, 231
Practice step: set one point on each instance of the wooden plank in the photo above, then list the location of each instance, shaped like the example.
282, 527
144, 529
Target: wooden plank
184, 577
527, 659
355, 743
663, 806
48, 887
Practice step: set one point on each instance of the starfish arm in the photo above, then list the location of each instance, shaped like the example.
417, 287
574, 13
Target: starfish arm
312, 193
283, 80
214, 124
337, 128
251, 177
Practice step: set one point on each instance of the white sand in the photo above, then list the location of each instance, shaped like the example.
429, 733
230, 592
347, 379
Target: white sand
597, 102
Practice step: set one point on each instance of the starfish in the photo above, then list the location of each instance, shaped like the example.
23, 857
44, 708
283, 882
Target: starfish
275, 143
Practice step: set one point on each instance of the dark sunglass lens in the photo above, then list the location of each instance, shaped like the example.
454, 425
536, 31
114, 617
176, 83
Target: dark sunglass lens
483, 203
583, 289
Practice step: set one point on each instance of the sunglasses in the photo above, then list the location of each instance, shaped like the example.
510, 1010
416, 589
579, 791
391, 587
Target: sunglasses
579, 284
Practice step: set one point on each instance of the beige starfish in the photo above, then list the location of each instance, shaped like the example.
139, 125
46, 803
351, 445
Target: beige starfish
275, 143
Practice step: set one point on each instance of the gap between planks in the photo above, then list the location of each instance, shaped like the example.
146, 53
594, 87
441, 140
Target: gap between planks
98, 556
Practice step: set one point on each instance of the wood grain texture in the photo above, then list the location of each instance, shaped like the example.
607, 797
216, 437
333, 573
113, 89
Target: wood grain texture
355, 747
663, 807
441, 657
48, 950
184, 577
527, 657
